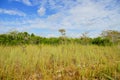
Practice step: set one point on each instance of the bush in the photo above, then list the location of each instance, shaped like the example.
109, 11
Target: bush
101, 41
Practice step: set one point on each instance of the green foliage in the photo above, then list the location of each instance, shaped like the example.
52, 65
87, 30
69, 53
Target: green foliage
101, 41
112, 35
18, 38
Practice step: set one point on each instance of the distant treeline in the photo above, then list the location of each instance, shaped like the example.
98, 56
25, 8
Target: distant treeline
108, 37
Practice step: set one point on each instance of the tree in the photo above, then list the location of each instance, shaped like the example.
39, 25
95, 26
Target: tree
13, 34
85, 39
112, 35
101, 41
62, 31
32, 35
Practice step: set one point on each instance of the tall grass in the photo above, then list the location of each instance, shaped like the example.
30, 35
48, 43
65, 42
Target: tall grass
61, 62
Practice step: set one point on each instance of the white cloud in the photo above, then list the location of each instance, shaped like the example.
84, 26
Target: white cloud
27, 2
41, 11
12, 12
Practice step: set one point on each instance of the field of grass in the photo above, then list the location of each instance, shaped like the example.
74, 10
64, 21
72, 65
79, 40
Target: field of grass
61, 62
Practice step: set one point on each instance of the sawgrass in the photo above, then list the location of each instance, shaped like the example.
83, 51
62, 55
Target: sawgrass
59, 62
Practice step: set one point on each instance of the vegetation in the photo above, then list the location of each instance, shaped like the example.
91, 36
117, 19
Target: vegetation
18, 38
61, 62
101, 41
59, 58
113, 36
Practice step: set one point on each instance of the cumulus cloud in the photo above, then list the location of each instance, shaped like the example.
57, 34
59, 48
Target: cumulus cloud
41, 11
12, 12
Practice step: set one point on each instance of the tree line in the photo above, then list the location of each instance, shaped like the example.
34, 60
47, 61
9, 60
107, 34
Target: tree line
108, 37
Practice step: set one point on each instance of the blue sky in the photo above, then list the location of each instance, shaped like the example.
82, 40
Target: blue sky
46, 17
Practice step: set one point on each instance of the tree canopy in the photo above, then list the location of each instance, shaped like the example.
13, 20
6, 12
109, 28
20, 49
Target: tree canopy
17, 38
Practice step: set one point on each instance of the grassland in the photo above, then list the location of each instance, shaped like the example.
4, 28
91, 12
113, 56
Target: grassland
61, 62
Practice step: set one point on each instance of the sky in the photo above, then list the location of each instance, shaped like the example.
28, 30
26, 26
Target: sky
46, 17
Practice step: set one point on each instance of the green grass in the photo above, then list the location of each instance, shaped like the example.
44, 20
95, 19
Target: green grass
61, 62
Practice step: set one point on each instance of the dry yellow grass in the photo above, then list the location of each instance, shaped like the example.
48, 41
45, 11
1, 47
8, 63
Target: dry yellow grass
61, 62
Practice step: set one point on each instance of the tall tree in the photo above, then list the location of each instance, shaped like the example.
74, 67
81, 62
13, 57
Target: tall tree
85, 39
112, 35
62, 31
